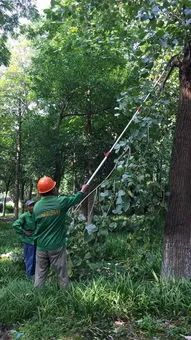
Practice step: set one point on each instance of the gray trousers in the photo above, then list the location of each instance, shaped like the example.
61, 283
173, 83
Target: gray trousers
52, 258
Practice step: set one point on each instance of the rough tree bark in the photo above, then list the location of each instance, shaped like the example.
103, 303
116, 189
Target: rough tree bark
177, 236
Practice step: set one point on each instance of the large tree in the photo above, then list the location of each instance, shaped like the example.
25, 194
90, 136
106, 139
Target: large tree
177, 242
15, 98
166, 27
78, 74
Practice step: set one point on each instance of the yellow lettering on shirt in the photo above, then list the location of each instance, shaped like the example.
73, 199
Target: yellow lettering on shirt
50, 213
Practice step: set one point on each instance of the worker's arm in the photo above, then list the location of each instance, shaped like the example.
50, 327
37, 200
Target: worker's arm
70, 201
18, 225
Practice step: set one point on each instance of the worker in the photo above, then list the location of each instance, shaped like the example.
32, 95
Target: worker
51, 230
25, 226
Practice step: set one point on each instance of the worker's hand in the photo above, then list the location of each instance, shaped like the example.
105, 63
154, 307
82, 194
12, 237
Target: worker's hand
28, 232
84, 188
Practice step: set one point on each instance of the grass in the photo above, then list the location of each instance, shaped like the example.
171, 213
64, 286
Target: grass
9, 241
126, 299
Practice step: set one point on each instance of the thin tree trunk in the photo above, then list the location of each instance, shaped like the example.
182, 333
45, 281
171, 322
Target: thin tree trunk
177, 237
4, 203
7, 184
87, 206
90, 208
18, 161
30, 189
22, 199
59, 159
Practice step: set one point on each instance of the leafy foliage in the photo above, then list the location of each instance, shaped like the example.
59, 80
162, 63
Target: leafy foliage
93, 249
93, 65
11, 11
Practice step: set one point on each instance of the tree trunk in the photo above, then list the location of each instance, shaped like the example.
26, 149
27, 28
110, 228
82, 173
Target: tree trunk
59, 153
18, 161
88, 205
22, 195
58, 167
4, 204
177, 237
30, 189
7, 184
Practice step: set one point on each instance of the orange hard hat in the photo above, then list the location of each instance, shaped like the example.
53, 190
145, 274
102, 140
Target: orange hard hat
45, 184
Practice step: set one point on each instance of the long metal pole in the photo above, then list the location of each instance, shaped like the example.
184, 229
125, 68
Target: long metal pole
122, 133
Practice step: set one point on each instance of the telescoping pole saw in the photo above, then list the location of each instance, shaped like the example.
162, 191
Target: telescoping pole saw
122, 133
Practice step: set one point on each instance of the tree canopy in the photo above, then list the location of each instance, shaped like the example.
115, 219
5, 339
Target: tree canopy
93, 64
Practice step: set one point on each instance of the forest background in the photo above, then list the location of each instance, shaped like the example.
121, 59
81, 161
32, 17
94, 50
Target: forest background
70, 82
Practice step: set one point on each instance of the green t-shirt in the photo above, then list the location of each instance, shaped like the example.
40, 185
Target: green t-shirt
23, 223
50, 214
